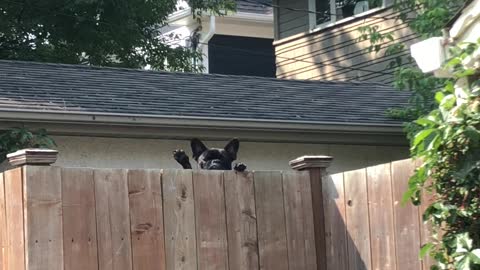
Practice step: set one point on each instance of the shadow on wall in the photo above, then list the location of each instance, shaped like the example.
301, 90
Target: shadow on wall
335, 54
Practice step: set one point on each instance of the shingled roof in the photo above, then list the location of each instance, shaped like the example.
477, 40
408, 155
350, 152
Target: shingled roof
46, 87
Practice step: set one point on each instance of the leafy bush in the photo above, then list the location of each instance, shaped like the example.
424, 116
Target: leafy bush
20, 138
449, 145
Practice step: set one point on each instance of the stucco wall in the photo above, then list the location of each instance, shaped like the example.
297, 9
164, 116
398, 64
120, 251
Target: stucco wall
149, 153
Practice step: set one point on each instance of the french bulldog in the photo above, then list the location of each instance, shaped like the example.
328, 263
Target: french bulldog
211, 158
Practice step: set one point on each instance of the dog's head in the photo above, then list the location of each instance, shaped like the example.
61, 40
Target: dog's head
215, 158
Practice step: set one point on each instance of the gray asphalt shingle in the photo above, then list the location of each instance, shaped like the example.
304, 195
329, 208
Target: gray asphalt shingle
77, 88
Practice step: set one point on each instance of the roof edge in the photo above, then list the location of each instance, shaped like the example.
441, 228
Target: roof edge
193, 121
185, 128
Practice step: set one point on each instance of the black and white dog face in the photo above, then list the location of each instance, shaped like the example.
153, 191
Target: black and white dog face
211, 158
215, 158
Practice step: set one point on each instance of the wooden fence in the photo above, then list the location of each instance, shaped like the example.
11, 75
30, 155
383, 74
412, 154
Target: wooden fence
55, 218
367, 226
66, 218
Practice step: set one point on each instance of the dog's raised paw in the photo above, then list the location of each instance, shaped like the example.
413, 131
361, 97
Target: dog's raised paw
180, 156
240, 167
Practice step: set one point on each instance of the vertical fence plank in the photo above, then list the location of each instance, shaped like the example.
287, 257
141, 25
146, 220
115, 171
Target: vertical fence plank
425, 229
241, 221
210, 220
407, 227
316, 184
146, 219
79, 221
381, 217
42, 189
113, 223
272, 239
335, 224
14, 214
3, 226
299, 220
358, 230
179, 219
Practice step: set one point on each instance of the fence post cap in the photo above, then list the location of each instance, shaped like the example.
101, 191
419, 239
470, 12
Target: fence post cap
308, 162
32, 156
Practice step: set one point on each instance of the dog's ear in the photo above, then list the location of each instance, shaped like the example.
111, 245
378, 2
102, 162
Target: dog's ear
232, 148
197, 148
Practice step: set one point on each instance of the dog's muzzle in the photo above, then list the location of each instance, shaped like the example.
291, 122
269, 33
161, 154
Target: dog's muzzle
215, 164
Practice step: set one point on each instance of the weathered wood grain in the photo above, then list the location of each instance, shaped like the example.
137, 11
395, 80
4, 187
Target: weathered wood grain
210, 220
113, 222
272, 239
381, 217
407, 226
358, 229
316, 178
3, 226
79, 220
425, 228
299, 220
42, 189
241, 221
179, 220
14, 213
335, 223
146, 219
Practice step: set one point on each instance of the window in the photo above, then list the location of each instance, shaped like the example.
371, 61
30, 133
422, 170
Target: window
330, 11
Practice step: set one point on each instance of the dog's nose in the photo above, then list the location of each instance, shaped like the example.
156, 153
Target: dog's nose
215, 164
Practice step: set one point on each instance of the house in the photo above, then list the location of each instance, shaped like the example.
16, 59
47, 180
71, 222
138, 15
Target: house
113, 117
318, 39
234, 44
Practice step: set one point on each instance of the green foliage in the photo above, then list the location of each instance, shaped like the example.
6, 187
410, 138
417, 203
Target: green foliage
121, 33
426, 18
21, 138
443, 125
449, 145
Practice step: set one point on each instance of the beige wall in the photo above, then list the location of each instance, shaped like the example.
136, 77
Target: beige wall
334, 53
150, 153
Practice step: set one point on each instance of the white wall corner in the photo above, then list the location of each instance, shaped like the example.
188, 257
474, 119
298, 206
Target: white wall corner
470, 16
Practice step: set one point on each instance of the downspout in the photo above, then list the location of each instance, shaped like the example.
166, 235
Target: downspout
206, 39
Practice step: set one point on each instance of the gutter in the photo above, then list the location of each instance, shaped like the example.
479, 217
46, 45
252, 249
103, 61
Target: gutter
211, 31
184, 127
251, 17
238, 16
162, 120
205, 39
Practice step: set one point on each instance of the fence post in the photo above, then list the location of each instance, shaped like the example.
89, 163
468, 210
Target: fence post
317, 166
30, 214
32, 156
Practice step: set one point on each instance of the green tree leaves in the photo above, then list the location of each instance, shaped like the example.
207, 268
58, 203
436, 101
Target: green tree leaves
121, 33
21, 138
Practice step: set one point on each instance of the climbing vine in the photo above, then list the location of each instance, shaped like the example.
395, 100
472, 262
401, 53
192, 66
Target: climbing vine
449, 145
